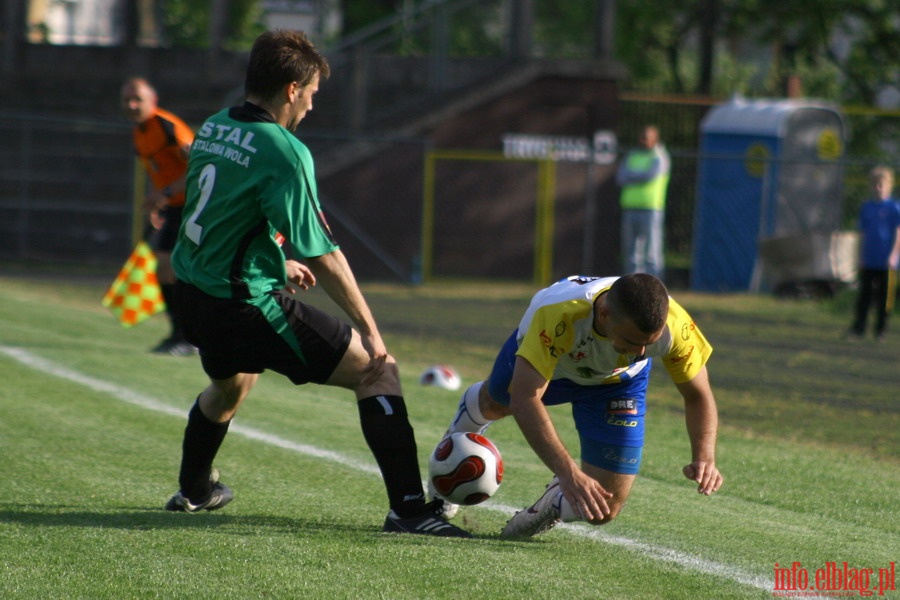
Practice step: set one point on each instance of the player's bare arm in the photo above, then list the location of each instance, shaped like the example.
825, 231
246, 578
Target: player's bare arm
526, 390
702, 420
333, 272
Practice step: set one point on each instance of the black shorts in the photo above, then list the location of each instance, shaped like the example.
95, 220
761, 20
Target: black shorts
299, 341
163, 239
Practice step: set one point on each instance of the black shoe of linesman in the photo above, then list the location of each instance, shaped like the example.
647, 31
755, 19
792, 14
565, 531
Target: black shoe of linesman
175, 347
427, 522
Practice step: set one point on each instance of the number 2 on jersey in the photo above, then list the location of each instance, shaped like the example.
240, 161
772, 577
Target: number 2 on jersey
207, 180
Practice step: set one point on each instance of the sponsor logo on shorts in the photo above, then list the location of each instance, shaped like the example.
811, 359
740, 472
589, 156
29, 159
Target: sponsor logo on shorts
621, 422
622, 406
610, 455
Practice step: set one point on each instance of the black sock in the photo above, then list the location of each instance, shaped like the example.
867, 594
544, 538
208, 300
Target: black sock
387, 430
202, 439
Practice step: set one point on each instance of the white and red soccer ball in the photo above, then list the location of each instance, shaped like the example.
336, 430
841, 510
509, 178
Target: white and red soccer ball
442, 376
465, 468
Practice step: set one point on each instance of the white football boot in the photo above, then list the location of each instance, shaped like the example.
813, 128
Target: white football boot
538, 518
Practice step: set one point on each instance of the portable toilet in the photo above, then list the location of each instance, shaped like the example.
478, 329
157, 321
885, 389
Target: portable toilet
768, 177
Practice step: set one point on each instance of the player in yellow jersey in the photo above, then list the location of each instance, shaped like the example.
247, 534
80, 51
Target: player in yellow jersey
590, 341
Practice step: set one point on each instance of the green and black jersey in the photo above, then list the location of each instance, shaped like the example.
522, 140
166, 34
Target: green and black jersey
248, 180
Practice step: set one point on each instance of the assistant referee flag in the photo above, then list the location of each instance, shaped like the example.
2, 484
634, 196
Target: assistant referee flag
135, 294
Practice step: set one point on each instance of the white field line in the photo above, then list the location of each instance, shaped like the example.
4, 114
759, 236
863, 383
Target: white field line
657, 552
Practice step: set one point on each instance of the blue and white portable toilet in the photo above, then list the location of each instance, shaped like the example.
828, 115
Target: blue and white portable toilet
768, 170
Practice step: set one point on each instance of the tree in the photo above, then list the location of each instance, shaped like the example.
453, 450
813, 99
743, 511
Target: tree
846, 50
187, 23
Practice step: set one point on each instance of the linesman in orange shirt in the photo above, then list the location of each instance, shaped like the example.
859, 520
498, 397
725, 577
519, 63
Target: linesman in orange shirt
162, 143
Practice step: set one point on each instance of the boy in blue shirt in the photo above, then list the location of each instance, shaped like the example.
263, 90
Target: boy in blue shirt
879, 225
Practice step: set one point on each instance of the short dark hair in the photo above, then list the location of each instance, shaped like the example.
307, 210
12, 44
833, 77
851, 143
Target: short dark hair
279, 57
641, 298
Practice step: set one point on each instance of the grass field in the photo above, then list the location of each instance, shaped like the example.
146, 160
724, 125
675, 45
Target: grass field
91, 428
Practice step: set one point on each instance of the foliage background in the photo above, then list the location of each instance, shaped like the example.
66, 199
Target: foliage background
842, 51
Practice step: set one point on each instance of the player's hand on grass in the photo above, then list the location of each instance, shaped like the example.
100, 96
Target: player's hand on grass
706, 475
586, 496
299, 274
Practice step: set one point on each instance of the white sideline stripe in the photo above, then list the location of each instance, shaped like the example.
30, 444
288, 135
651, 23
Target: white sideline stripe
137, 399
661, 553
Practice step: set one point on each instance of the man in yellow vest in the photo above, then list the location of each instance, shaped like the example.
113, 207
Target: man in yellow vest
644, 177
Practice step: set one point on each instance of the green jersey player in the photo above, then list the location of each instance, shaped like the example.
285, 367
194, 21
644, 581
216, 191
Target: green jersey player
250, 186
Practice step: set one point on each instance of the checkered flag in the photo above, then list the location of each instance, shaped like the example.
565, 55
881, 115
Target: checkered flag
135, 295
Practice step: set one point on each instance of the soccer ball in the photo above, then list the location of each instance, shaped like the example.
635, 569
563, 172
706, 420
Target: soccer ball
465, 468
442, 376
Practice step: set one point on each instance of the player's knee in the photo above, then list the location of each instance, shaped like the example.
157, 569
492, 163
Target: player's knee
571, 516
222, 398
391, 372
386, 383
490, 408
613, 513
